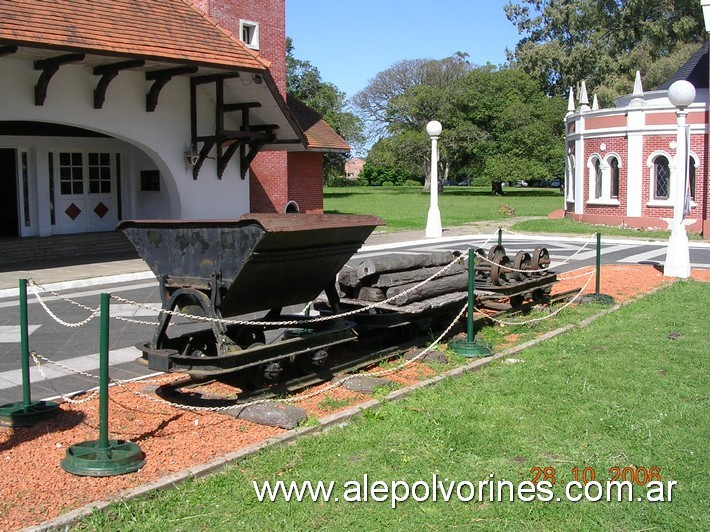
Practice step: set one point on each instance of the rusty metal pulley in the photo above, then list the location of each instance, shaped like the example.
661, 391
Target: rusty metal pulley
540, 259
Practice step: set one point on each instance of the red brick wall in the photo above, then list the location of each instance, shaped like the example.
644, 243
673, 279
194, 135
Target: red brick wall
271, 16
305, 170
616, 145
275, 177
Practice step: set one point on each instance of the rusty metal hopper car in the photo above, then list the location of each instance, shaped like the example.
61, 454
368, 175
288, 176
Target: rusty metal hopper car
260, 263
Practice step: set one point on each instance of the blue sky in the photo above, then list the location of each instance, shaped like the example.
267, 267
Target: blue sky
350, 41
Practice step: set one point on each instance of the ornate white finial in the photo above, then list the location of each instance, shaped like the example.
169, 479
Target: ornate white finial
595, 103
638, 87
583, 98
570, 101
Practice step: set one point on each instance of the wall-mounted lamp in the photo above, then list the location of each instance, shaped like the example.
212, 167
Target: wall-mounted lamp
257, 79
191, 158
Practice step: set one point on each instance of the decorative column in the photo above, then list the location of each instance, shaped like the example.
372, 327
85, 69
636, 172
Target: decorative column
681, 94
433, 222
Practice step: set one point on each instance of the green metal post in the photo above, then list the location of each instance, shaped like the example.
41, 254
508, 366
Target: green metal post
599, 261
24, 345
471, 295
598, 297
470, 347
103, 372
26, 412
103, 457
500, 236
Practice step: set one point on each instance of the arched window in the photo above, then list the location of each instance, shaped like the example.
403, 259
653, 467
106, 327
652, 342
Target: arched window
614, 175
661, 178
597, 179
569, 186
691, 177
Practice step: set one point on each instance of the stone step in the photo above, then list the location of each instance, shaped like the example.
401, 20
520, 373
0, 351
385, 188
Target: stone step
63, 250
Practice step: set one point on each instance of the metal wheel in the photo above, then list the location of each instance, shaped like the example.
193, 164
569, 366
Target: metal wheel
495, 250
308, 363
516, 301
522, 261
500, 274
247, 337
540, 259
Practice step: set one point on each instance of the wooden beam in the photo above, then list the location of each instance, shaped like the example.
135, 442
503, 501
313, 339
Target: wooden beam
108, 73
201, 80
206, 147
160, 78
49, 67
240, 106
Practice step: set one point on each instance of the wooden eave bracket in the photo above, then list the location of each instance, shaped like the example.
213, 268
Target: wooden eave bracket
108, 73
160, 78
49, 67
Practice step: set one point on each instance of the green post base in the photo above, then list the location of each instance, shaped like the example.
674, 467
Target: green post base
297, 333
21, 415
470, 349
90, 459
601, 299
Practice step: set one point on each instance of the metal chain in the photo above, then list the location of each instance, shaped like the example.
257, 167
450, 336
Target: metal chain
594, 235
292, 322
94, 312
299, 398
541, 270
67, 398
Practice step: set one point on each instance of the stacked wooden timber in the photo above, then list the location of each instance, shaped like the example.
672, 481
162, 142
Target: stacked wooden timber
379, 278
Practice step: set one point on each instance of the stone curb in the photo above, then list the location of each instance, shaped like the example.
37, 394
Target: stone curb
325, 423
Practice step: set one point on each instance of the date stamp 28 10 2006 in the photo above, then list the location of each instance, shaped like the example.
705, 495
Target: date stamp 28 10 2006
584, 483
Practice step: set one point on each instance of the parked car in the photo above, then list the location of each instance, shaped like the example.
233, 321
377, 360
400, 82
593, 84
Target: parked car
521, 183
556, 183
464, 183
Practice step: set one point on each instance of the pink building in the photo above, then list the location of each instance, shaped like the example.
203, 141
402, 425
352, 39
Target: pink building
621, 161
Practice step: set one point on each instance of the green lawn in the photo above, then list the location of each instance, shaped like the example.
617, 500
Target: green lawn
628, 391
406, 207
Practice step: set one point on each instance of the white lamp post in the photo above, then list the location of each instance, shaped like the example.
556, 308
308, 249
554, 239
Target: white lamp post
433, 221
681, 94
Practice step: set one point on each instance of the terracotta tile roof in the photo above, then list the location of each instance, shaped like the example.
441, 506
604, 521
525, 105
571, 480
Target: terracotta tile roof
319, 135
152, 29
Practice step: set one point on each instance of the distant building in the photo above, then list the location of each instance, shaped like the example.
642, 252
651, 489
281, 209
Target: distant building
621, 161
353, 167
117, 109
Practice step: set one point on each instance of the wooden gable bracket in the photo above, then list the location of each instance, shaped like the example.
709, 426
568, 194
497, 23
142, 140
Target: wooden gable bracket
7, 50
209, 141
255, 138
160, 78
49, 67
108, 73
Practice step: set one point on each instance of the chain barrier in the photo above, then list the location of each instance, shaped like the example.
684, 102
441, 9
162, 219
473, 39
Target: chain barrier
94, 312
540, 270
594, 235
550, 315
309, 395
293, 322
124, 384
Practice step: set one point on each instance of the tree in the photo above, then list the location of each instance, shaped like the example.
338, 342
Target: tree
603, 41
303, 81
400, 101
509, 128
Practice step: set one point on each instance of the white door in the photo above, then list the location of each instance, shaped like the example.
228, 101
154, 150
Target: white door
86, 190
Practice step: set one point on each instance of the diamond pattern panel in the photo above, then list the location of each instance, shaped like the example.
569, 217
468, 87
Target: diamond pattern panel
101, 210
73, 211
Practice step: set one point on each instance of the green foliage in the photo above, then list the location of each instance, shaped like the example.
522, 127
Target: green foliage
383, 175
303, 82
604, 41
